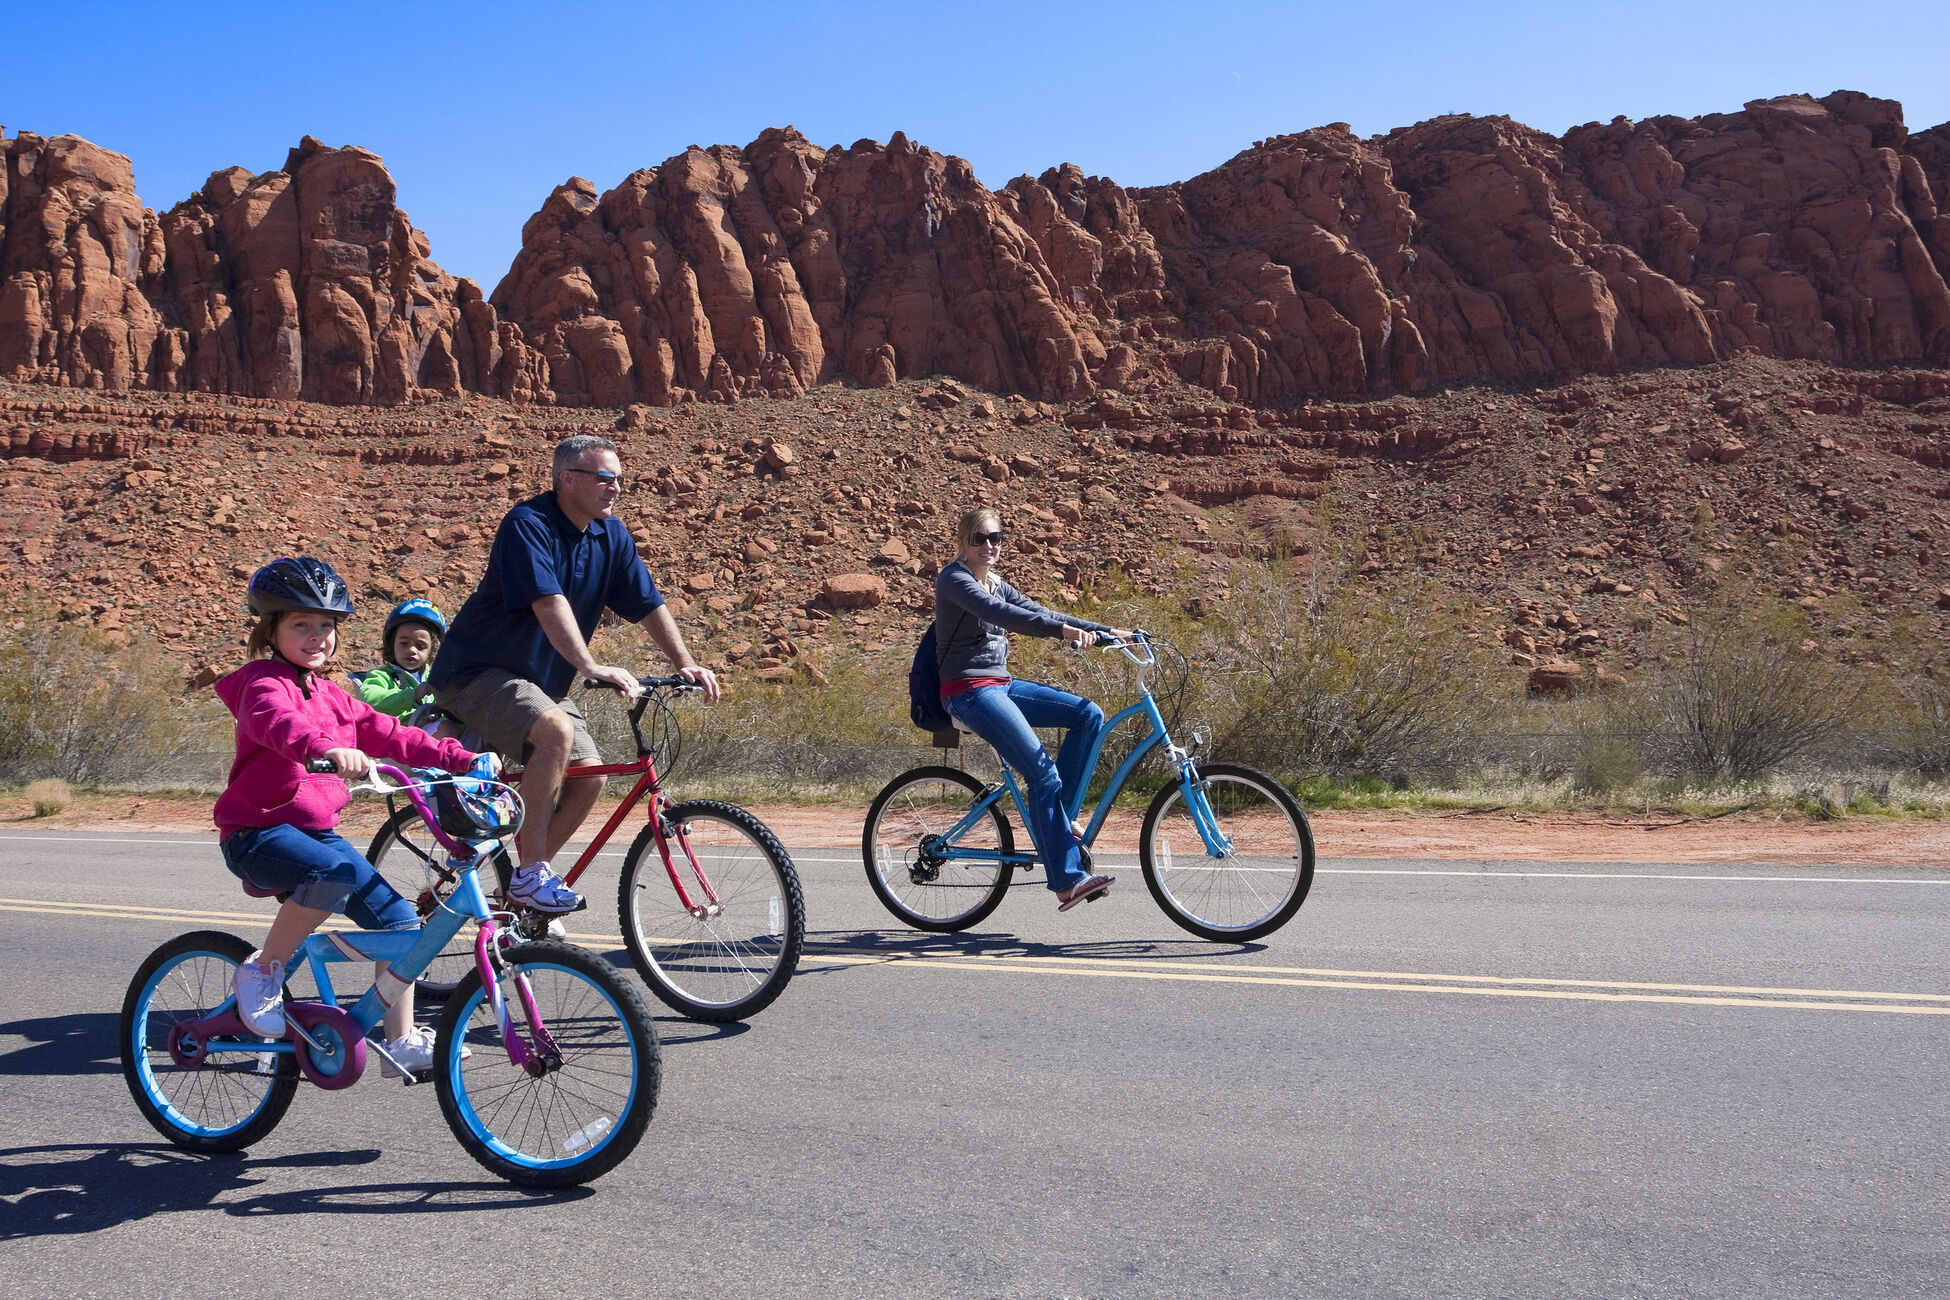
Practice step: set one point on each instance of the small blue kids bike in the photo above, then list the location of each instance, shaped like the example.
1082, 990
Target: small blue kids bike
546, 1063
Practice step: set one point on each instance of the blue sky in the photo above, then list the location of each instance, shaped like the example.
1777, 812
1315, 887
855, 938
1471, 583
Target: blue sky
480, 109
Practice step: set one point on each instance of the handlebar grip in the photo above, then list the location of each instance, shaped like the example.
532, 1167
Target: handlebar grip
322, 766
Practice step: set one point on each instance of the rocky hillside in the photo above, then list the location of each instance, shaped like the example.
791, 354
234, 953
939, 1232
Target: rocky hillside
1575, 518
1315, 264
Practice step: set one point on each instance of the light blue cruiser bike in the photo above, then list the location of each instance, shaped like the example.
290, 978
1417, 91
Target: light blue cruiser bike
546, 1062
1226, 851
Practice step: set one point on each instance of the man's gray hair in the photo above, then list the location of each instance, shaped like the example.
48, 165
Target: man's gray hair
569, 451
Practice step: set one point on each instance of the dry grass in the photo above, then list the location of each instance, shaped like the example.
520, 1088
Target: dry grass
49, 795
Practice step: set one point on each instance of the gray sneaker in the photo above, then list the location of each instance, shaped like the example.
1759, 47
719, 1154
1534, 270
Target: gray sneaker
536, 885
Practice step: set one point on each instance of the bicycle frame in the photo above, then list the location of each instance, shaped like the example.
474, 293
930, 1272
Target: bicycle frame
1216, 841
648, 785
407, 953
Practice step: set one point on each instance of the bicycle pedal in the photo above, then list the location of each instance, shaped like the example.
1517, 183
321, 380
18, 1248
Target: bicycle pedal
1091, 898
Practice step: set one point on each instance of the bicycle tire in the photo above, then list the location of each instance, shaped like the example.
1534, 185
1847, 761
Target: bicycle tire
1255, 891
735, 964
943, 897
571, 1122
402, 851
222, 1104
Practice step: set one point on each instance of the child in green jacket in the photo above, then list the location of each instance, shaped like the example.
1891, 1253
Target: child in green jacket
413, 632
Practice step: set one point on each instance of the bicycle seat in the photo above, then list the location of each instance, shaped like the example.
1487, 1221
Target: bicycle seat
256, 891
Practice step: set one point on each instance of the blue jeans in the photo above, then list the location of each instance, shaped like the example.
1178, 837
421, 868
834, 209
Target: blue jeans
1003, 716
319, 869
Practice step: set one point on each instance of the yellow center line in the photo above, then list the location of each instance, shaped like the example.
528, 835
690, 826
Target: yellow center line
1403, 982
1932, 1004
1155, 964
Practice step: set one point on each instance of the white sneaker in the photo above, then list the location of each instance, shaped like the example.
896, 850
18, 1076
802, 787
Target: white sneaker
536, 885
260, 996
557, 930
414, 1052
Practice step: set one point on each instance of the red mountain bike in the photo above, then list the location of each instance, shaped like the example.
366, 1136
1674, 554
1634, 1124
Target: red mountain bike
714, 927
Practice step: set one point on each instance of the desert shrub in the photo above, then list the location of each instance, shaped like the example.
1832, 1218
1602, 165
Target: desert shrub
78, 708
1733, 696
845, 726
48, 796
1347, 680
1607, 765
1919, 740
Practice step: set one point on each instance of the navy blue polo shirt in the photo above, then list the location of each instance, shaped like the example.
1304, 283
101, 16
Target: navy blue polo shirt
538, 552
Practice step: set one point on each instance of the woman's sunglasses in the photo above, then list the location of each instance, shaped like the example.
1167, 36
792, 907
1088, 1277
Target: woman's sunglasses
983, 539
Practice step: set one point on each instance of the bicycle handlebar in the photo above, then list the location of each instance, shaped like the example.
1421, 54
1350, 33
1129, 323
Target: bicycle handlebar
674, 683
1138, 649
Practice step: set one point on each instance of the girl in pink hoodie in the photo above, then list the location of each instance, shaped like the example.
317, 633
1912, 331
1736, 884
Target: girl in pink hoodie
275, 819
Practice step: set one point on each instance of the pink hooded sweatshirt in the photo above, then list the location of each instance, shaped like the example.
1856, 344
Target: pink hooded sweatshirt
283, 723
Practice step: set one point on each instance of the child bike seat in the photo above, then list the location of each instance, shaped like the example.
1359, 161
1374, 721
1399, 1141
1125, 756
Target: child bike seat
257, 891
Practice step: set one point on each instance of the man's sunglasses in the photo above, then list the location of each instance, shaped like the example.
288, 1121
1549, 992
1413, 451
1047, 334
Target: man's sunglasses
983, 539
602, 476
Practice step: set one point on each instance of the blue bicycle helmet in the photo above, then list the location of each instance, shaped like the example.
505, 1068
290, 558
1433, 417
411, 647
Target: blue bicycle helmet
470, 809
415, 610
301, 584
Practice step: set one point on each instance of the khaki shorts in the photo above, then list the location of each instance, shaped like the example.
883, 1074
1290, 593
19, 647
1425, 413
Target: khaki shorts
502, 708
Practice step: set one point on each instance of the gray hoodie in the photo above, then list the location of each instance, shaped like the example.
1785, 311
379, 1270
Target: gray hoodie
970, 623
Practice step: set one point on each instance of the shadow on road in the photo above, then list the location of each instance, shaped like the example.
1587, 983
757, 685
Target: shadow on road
84, 1188
906, 943
64, 1045
687, 1031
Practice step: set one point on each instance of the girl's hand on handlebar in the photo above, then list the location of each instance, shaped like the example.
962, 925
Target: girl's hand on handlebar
352, 764
698, 675
1081, 638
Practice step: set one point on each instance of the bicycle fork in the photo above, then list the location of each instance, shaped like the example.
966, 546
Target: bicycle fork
713, 906
1206, 822
545, 1056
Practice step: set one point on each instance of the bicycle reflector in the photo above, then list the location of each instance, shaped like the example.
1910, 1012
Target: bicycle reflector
470, 810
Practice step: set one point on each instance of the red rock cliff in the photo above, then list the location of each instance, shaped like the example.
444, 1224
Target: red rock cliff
1316, 263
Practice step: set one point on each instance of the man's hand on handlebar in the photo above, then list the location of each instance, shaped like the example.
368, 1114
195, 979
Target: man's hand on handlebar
698, 675
620, 679
352, 764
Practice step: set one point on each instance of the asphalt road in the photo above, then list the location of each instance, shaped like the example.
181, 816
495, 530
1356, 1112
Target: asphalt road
1442, 1079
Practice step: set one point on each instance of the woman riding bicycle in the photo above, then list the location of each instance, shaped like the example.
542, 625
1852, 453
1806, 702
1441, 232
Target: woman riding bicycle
974, 610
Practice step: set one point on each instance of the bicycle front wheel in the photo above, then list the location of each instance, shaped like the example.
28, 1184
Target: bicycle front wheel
581, 1105
229, 1099
905, 846
404, 853
717, 960
1251, 891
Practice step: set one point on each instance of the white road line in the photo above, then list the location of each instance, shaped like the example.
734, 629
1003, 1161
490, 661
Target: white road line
1126, 860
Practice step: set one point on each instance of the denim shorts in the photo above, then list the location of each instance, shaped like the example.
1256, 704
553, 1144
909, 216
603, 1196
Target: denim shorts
319, 869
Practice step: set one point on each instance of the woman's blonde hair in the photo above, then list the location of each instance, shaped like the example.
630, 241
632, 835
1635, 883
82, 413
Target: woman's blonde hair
965, 529
971, 523
264, 639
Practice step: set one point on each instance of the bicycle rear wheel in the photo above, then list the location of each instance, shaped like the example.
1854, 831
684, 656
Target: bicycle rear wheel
902, 844
228, 1100
577, 1110
404, 853
1248, 893
732, 962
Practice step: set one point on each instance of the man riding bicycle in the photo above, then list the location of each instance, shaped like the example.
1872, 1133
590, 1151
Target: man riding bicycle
517, 647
